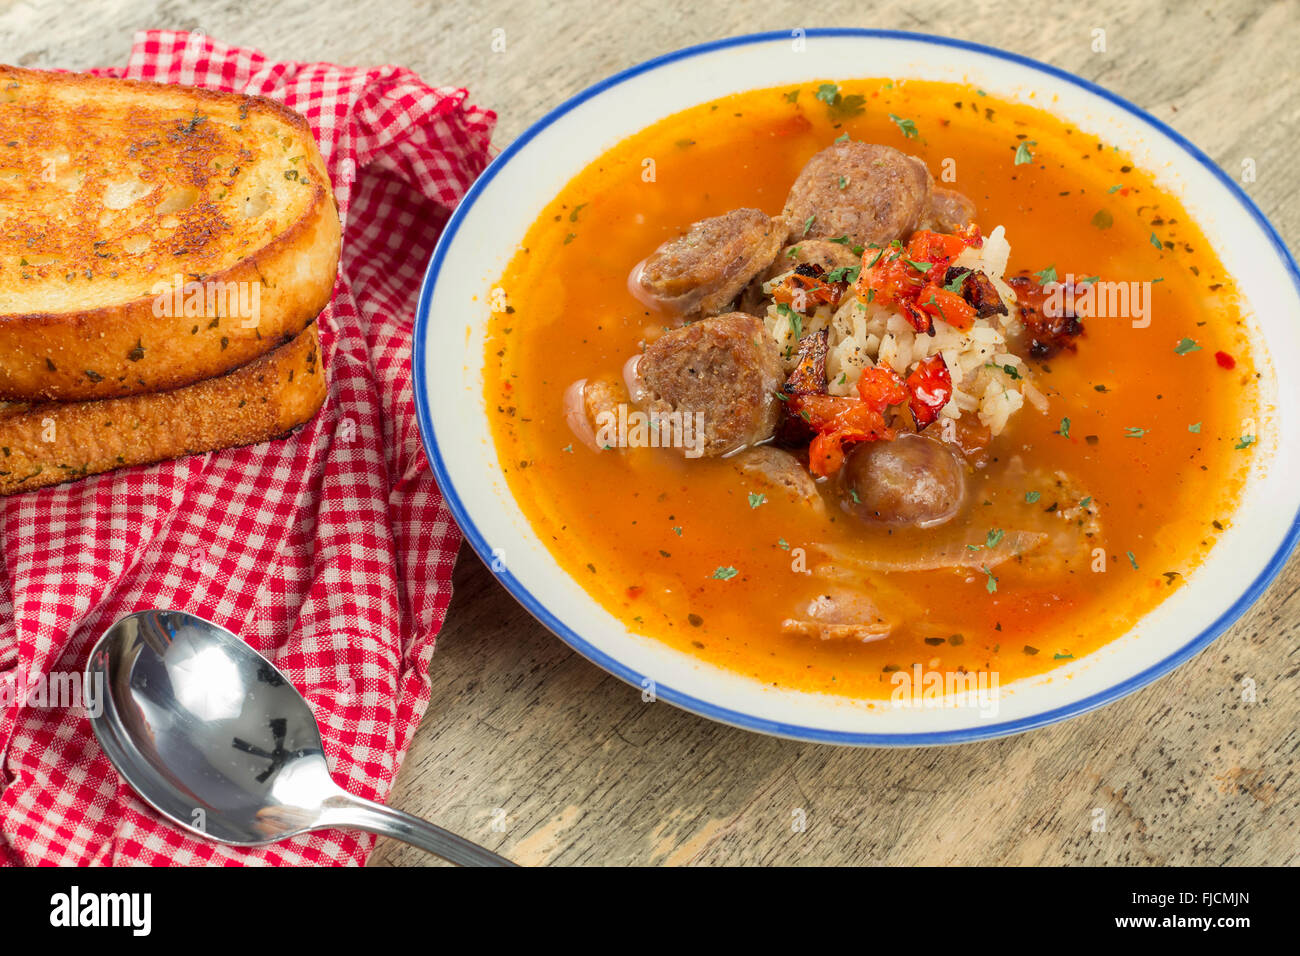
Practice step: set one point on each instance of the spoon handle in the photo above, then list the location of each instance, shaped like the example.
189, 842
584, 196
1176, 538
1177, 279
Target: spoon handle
347, 810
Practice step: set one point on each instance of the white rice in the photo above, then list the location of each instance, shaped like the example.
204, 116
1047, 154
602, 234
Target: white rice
863, 335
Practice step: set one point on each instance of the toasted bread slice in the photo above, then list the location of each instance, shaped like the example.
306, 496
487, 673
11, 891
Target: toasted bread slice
152, 236
51, 442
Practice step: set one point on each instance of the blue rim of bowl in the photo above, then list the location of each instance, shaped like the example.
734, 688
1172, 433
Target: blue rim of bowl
750, 721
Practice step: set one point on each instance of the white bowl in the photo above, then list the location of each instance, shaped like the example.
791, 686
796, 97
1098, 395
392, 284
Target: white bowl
489, 224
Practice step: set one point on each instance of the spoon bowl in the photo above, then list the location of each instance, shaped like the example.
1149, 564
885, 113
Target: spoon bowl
211, 735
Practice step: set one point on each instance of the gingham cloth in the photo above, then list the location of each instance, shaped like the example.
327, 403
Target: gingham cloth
330, 551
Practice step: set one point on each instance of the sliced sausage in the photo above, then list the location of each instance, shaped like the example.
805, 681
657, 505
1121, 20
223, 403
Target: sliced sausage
870, 193
727, 368
704, 270
949, 211
912, 480
774, 472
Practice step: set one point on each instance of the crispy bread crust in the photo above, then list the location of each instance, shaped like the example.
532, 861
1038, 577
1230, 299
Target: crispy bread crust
125, 348
52, 442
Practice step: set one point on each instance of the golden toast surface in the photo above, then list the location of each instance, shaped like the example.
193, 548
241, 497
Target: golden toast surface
52, 442
152, 235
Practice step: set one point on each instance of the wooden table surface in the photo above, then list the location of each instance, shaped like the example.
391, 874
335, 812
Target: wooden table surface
533, 751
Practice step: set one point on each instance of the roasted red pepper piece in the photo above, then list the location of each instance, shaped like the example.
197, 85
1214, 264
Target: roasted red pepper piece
946, 305
881, 387
838, 420
803, 290
931, 388
921, 321
1048, 334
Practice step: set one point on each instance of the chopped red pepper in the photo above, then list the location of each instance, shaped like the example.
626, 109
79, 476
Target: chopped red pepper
970, 234
1225, 360
881, 387
898, 273
921, 321
804, 292
931, 386
946, 305
837, 420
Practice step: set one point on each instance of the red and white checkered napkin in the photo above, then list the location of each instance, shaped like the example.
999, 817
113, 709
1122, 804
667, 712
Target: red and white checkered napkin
330, 551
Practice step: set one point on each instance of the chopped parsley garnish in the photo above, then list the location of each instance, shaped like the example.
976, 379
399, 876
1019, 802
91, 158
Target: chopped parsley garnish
839, 106
1156, 242
1132, 431
906, 125
792, 96
1185, 346
1032, 496
1064, 430
1102, 219
1023, 154
783, 544
1084, 502
725, 574
991, 584
677, 530
1116, 188
808, 223
756, 500
1245, 441
853, 493
994, 538
955, 285
844, 377
573, 216
1195, 429
1087, 280
1132, 560
844, 181
568, 448
1046, 275
843, 137
919, 266
844, 274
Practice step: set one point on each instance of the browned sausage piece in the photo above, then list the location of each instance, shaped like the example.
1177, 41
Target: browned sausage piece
727, 368
774, 472
912, 480
870, 193
704, 270
949, 211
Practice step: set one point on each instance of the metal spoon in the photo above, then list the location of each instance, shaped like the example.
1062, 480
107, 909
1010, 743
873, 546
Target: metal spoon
217, 740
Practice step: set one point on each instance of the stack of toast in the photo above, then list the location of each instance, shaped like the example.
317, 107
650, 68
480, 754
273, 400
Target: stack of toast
164, 254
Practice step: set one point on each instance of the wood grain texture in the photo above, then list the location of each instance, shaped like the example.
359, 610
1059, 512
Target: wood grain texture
536, 753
